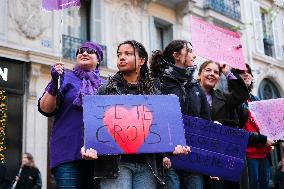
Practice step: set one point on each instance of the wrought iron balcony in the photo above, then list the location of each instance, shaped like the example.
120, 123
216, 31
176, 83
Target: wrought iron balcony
70, 46
230, 8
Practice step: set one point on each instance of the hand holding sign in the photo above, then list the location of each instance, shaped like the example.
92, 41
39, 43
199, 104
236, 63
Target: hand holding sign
89, 154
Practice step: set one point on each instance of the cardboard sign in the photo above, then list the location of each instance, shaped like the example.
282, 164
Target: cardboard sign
217, 44
269, 115
130, 124
216, 150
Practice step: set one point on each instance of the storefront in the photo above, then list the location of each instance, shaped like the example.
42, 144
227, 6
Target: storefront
12, 81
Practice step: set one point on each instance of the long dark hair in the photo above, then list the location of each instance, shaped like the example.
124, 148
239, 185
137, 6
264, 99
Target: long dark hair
160, 60
146, 84
237, 71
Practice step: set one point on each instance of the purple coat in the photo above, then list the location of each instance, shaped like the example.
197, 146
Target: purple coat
67, 131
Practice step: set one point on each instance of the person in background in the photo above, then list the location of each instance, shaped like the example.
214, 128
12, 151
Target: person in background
173, 70
29, 176
279, 178
65, 104
135, 171
256, 155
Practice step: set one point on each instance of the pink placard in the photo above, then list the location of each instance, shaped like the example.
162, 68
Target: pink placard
217, 44
269, 115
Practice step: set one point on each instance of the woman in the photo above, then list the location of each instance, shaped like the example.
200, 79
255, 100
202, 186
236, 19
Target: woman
257, 161
138, 171
29, 175
173, 69
65, 104
224, 104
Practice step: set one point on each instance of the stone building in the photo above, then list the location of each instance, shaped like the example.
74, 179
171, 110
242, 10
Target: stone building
31, 40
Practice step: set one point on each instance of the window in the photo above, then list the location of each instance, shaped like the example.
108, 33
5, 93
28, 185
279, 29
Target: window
268, 90
163, 33
77, 21
267, 31
266, 22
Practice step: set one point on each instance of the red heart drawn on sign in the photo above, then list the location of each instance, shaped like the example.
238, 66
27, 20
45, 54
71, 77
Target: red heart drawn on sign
128, 128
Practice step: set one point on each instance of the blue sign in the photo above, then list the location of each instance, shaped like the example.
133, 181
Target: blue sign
216, 150
130, 124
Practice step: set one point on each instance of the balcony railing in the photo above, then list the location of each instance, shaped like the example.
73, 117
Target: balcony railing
230, 8
70, 46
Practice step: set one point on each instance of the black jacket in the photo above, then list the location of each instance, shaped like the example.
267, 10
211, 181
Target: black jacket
107, 166
224, 105
180, 82
4, 182
29, 178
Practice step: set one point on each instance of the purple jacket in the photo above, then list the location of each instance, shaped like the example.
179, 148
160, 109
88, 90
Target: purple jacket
67, 131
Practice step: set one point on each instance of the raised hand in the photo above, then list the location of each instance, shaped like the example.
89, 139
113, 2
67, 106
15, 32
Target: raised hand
56, 70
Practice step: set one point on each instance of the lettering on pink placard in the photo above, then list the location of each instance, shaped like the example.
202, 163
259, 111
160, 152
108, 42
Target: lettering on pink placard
217, 44
269, 115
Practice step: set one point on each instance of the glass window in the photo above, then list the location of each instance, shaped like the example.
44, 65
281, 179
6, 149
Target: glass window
268, 90
266, 21
163, 33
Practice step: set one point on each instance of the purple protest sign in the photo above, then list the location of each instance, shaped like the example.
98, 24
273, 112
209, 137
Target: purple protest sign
130, 124
51, 5
216, 150
269, 115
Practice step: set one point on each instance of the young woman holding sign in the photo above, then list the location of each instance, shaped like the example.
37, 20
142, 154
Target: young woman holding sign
173, 69
224, 105
257, 161
137, 171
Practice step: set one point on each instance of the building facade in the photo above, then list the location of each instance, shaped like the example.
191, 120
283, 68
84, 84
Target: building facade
31, 40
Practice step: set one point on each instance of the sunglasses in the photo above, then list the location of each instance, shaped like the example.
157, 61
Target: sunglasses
85, 49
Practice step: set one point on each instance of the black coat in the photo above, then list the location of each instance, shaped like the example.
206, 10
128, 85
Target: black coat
180, 82
4, 182
224, 105
107, 166
29, 178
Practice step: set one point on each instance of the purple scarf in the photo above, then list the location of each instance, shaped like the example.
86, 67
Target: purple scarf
91, 82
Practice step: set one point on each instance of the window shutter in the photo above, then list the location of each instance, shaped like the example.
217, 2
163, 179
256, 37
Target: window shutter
257, 25
276, 35
96, 21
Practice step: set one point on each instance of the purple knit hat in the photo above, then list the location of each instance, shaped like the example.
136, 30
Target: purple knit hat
95, 47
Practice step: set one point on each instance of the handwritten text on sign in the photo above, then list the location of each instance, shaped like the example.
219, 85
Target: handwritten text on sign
51, 5
269, 115
216, 150
217, 44
132, 123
